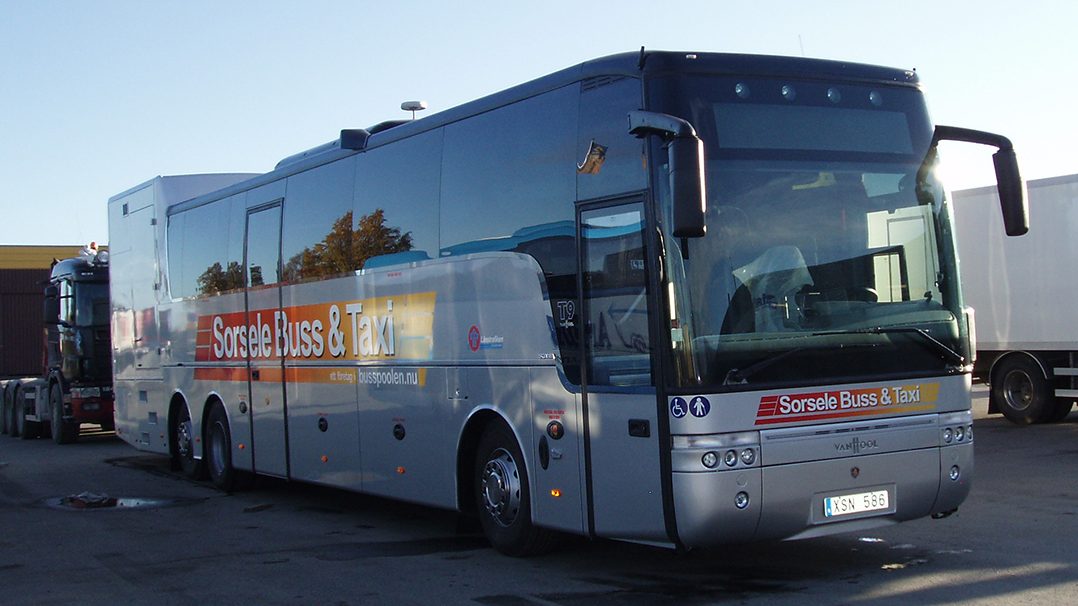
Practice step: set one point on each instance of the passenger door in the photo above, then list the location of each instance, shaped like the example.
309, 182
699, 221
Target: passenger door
262, 260
623, 437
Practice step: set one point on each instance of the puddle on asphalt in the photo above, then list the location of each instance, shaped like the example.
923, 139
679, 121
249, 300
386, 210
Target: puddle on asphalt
89, 501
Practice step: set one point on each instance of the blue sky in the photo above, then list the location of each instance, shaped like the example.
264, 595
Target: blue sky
96, 97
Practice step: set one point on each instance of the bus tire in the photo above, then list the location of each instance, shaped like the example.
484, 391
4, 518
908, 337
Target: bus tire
1021, 391
502, 496
63, 432
182, 445
218, 449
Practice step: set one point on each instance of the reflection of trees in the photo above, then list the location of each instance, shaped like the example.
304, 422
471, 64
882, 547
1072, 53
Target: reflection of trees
217, 279
344, 249
341, 251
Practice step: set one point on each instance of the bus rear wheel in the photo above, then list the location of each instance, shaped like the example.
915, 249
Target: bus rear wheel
218, 450
503, 496
182, 445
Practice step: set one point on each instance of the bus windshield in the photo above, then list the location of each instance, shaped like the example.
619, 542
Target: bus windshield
828, 255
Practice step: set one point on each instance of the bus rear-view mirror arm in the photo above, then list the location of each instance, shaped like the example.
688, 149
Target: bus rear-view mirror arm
1012, 200
685, 154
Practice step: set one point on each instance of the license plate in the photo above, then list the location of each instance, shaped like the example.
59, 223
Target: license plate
860, 502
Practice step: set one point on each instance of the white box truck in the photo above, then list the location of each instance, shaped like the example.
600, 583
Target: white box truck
1024, 295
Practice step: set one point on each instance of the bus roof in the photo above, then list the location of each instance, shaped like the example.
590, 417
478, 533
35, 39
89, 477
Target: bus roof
633, 64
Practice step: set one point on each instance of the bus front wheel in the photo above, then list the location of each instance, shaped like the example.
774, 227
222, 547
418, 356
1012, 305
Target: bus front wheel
503, 496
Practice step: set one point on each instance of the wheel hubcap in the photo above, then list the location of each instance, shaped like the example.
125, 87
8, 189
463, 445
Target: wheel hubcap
183, 438
1018, 390
501, 487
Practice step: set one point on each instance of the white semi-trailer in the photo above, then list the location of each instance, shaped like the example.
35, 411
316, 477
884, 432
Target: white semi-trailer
1024, 295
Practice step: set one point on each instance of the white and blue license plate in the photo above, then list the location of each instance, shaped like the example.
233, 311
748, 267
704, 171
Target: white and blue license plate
859, 502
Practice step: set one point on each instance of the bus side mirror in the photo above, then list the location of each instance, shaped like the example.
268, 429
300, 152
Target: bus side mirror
1012, 199
687, 188
52, 305
685, 154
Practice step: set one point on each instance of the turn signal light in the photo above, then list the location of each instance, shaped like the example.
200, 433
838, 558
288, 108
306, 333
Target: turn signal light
555, 492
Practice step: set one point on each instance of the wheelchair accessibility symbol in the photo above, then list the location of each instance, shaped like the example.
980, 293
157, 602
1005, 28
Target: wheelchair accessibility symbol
679, 408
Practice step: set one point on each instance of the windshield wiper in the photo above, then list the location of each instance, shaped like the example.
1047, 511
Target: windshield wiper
738, 376
941, 348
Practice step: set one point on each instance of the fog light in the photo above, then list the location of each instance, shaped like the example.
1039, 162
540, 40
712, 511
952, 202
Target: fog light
960, 433
710, 459
748, 456
741, 500
955, 472
730, 458
948, 434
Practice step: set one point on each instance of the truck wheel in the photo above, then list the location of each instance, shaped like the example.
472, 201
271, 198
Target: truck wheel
63, 432
218, 450
1021, 391
503, 496
28, 430
5, 414
182, 446
9, 413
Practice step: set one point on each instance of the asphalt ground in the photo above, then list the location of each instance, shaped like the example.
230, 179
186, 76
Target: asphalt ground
171, 540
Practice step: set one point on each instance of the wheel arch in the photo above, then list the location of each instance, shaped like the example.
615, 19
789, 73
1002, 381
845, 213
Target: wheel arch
177, 401
467, 447
1005, 358
1010, 355
213, 399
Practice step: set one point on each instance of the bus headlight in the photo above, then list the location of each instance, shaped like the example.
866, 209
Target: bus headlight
710, 459
730, 458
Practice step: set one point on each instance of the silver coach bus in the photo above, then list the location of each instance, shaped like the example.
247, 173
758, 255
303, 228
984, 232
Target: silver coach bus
682, 299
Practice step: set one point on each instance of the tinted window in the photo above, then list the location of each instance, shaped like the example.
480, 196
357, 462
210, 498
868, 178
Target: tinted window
263, 247
610, 161
397, 202
509, 174
616, 296
199, 258
317, 238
